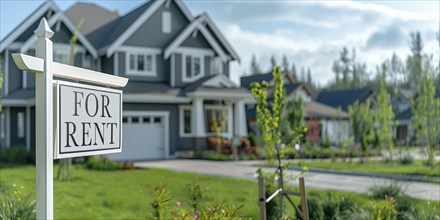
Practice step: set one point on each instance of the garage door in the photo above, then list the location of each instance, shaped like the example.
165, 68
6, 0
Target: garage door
143, 138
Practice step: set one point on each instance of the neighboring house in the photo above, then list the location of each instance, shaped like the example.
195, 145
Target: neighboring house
344, 98
321, 120
402, 101
177, 65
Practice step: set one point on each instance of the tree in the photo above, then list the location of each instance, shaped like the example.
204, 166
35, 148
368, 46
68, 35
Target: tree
303, 75
362, 123
385, 115
273, 61
293, 72
295, 117
414, 62
269, 120
285, 64
255, 68
426, 113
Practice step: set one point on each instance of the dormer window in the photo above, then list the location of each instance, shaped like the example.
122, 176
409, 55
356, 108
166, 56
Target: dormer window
193, 67
141, 61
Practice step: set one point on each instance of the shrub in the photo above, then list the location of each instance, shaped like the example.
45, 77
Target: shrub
384, 209
13, 205
392, 188
218, 156
198, 154
102, 163
330, 208
253, 139
17, 154
161, 197
325, 143
315, 209
194, 193
348, 204
407, 159
273, 208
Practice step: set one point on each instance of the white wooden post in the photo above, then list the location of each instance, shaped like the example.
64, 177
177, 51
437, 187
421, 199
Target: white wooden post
44, 113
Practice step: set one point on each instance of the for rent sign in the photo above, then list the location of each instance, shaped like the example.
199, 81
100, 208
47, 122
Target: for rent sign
88, 120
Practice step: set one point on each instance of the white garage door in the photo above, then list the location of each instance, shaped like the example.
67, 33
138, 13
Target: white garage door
144, 137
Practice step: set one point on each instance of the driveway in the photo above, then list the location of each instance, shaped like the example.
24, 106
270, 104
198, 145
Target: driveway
340, 182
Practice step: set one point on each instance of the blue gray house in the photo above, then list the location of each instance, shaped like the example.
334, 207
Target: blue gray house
177, 65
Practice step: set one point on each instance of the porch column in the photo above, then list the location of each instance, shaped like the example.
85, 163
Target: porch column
240, 128
198, 117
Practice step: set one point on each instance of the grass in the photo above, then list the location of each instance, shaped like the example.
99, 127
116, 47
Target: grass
383, 167
127, 194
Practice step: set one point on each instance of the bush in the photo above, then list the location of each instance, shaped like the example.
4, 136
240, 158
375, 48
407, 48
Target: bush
330, 208
13, 205
17, 154
392, 189
315, 209
407, 159
253, 139
102, 163
325, 143
218, 156
273, 208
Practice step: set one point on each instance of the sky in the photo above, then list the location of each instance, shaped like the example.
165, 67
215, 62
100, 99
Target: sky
310, 33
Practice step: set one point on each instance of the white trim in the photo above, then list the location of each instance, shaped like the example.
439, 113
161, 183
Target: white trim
144, 98
24, 80
208, 94
166, 22
134, 27
59, 16
165, 115
220, 80
2, 126
6, 74
21, 124
173, 71
146, 51
222, 38
135, 49
15, 46
183, 108
196, 24
28, 128
116, 63
192, 50
17, 102
25, 25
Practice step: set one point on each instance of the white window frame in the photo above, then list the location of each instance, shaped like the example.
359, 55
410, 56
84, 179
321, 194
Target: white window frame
3, 125
194, 52
217, 65
145, 51
228, 110
166, 22
182, 110
21, 126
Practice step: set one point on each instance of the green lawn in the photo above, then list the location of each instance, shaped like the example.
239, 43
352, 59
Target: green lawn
127, 194
417, 168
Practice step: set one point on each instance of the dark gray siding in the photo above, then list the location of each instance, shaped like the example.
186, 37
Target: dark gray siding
121, 64
30, 77
199, 42
3, 67
207, 60
173, 119
107, 65
178, 70
63, 35
186, 143
150, 33
15, 75
15, 140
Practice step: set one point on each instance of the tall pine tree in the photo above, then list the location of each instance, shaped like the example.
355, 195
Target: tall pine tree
255, 68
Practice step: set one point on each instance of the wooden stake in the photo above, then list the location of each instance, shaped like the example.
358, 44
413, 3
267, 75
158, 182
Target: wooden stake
304, 207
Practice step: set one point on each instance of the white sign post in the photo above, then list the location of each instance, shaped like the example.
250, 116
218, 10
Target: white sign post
45, 69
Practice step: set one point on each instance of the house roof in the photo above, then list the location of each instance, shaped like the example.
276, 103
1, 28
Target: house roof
343, 98
216, 85
319, 110
26, 23
94, 16
246, 81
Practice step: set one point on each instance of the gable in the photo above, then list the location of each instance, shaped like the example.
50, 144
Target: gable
149, 33
219, 81
196, 40
25, 29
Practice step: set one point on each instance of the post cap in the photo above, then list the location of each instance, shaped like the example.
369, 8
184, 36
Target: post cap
43, 30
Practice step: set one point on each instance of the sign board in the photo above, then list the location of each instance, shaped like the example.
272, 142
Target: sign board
88, 120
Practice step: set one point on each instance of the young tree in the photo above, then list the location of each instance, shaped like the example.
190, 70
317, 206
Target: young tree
414, 62
362, 123
426, 113
303, 75
255, 68
385, 115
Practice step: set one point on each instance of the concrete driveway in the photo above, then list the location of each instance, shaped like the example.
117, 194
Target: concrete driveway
340, 182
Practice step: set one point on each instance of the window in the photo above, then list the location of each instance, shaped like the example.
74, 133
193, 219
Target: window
216, 120
141, 63
61, 56
193, 68
20, 124
166, 22
185, 121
